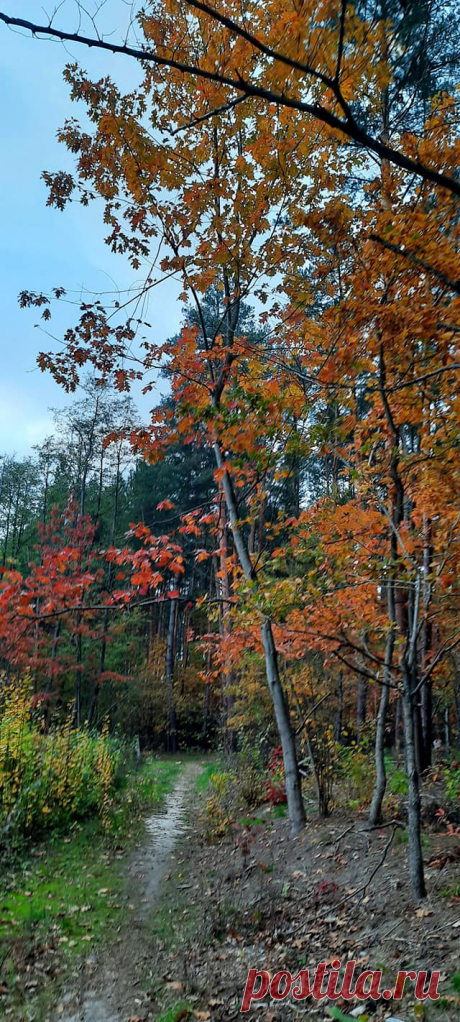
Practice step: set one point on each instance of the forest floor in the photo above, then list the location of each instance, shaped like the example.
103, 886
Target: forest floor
191, 918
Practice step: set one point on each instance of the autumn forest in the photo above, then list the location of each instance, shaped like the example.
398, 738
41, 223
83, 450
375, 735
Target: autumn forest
263, 571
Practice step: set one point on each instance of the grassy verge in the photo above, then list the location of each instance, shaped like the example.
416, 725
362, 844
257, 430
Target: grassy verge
61, 898
203, 779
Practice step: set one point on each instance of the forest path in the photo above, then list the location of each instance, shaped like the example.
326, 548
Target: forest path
108, 987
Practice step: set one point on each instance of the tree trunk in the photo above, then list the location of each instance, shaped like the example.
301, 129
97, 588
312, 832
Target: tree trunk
375, 812
339, 718
426, 695
446, 730
415, 859
225, 625
172, 723
283, 721
361, 707
296, 809
78, 674
427, 726
206, 702
398, 732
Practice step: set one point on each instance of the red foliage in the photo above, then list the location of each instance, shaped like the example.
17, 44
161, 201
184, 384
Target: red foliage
276, 789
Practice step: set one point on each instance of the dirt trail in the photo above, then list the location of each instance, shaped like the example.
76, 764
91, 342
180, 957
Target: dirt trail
108, 986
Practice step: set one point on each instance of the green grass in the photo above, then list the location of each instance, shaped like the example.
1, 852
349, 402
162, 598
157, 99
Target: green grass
450, 892
69, 887
173, 1014
204, 779
67, 893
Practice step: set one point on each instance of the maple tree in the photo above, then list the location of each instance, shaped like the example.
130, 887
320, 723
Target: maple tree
315, 59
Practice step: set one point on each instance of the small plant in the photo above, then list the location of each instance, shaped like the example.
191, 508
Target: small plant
357, 774
244, 835
451, 831
179, 1012
398, 783
275, 786
219, 804
250, 782
452, 782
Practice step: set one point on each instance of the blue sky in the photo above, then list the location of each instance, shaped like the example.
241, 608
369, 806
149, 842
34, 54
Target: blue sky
40, 247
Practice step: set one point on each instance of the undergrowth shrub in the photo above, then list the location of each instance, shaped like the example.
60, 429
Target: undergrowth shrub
48, 778
250, 780
356, 773
452, 781
275, 784
220, 804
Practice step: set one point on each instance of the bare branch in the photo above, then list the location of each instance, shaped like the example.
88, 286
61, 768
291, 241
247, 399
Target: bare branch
211, 113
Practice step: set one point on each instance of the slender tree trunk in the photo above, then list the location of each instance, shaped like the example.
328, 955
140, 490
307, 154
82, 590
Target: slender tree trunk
339, 717
426, 694
7, 534
415, 858
427, 725
92, 715
446, 730
361, 707
225, 625
105, 624
296, 809
283, 720
375, 812
172, 722
409, 658
78, 674
206, 704
399, 732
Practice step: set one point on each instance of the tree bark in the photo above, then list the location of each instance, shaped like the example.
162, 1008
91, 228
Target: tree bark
375, 812
172, 722
283, 720
296, 809
398, 732
339, 717
426, 695
415, 858
361, 707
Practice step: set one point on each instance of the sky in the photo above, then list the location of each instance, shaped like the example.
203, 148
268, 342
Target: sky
41, 248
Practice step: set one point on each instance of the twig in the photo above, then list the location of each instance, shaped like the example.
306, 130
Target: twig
381, 826
361, 890
311, 712
211, 113
343, 834
391, 930
420, 263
